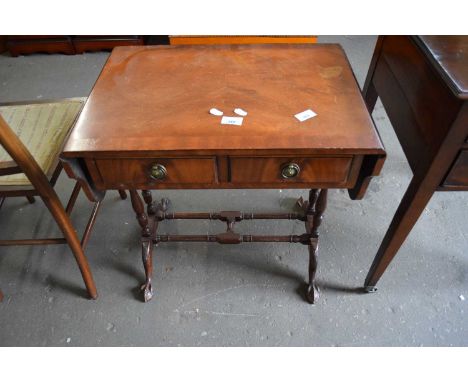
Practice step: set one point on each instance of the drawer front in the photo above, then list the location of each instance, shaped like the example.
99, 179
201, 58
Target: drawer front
153, 171
458, 175
302, 170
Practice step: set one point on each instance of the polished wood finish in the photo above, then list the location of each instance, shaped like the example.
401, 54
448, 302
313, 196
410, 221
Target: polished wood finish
422, 83
208, 40
254, 172
312, 170
271, 82
170, 107
448, 56
146, 126
136, 173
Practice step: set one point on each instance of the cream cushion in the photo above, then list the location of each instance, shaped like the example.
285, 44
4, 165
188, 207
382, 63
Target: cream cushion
42, 127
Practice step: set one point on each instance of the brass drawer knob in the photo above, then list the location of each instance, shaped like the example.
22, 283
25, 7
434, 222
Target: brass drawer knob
158, 172
290, 170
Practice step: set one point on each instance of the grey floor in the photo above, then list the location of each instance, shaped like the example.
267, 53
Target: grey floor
249, 295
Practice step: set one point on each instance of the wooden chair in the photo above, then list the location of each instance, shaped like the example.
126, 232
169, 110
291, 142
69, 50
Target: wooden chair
32, 136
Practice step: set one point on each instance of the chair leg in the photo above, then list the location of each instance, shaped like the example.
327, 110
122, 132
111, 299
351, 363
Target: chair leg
89, 226
123, 194
1, 296
73, 197
63, 221
31, 199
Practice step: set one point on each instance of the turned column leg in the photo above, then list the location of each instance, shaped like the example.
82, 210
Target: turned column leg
148, 198
316, 208
141, 216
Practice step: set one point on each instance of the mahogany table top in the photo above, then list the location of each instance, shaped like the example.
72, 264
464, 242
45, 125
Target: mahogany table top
157, 99
450, 56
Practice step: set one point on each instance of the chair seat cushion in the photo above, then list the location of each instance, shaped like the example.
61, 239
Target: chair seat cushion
43, 128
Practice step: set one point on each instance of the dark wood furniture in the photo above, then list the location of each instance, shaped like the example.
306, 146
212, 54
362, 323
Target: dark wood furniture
19, 45
3, 41
93, 43
423, 84
147, 125
27, 44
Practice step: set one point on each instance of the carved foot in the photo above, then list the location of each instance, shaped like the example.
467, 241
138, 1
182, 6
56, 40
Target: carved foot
147, 289
370, 289
312, 293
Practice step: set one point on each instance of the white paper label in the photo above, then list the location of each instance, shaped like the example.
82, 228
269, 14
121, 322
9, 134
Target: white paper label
215, 111
240, 112
305, 115
232, 121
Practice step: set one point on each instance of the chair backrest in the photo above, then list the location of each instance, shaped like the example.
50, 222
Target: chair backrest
24, 160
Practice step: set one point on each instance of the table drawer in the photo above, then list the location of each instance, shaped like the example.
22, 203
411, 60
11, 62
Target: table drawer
458, 175
140, 171
287, 169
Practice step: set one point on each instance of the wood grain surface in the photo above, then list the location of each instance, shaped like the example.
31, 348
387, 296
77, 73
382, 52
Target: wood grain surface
157, 99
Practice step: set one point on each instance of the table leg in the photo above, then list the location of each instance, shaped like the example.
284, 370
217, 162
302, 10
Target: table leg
370, 97
148, 198
139, 209
410, 209
146, 240
314, 214
147, 257
123, 194
147, 250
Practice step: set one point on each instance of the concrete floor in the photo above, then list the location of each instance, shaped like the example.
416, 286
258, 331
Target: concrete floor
246, 295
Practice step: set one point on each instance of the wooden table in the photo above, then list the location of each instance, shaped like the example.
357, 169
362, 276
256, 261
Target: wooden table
423, 85
147, 125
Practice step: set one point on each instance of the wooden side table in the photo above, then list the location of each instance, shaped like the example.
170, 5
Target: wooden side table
423, 85
147, 125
